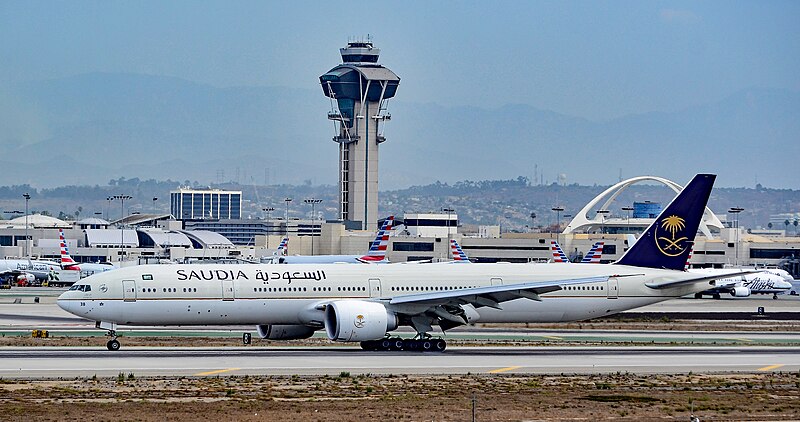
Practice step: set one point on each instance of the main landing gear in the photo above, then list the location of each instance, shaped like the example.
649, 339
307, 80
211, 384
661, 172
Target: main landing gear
113, 344
407, 344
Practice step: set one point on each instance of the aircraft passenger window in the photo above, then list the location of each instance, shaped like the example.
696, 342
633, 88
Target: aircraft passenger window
304, 289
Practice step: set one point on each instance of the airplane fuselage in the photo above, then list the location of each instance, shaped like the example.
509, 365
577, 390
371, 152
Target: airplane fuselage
296, 294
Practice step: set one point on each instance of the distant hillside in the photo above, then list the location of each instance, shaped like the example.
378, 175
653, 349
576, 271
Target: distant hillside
508, 203
90, 128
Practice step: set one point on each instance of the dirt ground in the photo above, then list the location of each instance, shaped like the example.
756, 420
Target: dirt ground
768, 396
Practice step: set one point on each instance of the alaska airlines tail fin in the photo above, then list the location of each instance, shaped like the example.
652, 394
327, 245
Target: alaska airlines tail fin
66, 260
558, 254
457, 253
666, 243
594, 254
377, 251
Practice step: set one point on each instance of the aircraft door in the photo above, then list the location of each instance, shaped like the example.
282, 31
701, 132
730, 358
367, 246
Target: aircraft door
227, 289
375, 287
612, 287
129, 290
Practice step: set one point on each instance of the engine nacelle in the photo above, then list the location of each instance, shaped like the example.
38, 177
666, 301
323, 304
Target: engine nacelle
28, 278
740, 291
285, 332
358, 320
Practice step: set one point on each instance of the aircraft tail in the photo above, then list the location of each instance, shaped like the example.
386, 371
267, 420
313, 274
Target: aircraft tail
666, 243
594, 254
283, 248
456, 253
558, 253
66, 259
377, 251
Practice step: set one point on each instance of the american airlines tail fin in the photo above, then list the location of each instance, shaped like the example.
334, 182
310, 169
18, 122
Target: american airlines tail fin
283, 248
594, 254
688, 258
558, 254
666, 243
456, 253
66, 260
377, 251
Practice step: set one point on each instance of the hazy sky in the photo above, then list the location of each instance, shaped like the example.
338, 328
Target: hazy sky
594, 59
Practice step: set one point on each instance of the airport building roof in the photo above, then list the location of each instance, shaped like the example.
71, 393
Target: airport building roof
40, 221
204, 239
111, 238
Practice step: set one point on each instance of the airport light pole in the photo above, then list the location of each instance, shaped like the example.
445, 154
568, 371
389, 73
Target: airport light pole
313, 202
735, 211
108, 205
27, 197
287, 200
558, 210
448, 210
603, 221
533, 220
628, 218
154, 205
268, 210
122, 199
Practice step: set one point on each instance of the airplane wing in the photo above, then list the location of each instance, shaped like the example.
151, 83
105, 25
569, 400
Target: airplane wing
448, 306
698, 279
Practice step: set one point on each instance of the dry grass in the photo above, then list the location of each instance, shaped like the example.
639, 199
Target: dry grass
415, 398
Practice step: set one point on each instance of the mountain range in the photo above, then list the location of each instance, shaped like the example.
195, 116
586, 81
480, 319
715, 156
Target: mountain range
90, 128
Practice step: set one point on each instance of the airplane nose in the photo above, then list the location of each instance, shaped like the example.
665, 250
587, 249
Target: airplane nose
63, 303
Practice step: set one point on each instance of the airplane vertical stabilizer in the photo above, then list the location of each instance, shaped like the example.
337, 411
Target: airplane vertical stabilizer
667, 242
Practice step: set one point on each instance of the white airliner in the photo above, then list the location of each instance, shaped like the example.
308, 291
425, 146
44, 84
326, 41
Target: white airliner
762, 282
27, 271
364, 303
376, 252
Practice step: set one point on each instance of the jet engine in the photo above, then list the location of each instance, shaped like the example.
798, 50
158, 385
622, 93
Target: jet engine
740, 291
358, 320
285, 332
26, 278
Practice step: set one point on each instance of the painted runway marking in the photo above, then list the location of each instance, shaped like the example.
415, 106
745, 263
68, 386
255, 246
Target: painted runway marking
770, 368
499, 370
742, 339
219, 371
554, 337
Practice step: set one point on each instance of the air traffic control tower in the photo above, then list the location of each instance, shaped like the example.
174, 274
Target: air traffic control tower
359, 90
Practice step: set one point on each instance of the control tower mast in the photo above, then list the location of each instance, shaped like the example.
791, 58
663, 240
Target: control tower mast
359, 90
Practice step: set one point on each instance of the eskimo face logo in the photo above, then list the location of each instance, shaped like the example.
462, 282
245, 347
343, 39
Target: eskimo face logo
360, 321
670, 244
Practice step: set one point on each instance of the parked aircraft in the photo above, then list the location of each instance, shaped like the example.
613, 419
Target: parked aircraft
376, 253
27, 271
743, 285
365, 303
591, 257
85, 268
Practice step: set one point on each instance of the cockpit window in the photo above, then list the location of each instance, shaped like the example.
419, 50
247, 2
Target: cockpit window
75, 287
81, 287
87, 288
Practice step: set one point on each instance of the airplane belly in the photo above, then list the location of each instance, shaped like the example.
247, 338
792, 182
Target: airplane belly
206, 312
560, 309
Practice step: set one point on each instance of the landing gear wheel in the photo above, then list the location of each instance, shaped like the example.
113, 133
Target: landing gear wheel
397, 344
439, 345
774, 297
427, 345
113, 345
715, 296
698, 295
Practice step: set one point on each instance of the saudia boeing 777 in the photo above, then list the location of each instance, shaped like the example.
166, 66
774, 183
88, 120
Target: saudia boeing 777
364, 303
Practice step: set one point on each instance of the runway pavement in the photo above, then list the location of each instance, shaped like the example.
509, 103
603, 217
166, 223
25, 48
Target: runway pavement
49, 362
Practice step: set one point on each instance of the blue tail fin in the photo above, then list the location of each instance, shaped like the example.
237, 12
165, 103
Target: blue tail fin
667, 242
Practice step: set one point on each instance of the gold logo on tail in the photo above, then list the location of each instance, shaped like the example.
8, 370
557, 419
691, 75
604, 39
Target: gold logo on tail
672, 245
